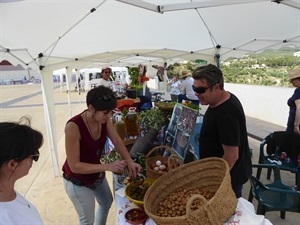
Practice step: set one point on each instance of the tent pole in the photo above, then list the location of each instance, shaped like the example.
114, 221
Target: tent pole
48, 99
68, 82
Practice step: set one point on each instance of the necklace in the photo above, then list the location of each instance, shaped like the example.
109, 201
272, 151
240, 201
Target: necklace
88, 125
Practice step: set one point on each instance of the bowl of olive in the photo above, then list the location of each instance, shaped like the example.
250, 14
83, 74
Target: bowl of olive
135, 192
135, 216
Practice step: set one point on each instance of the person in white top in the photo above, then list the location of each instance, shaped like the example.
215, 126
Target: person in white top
105, 75
187, 92
19, 145
175, 88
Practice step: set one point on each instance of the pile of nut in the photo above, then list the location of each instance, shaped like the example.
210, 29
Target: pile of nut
175, 203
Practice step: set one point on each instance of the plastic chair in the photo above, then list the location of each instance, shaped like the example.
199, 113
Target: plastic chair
275, 196
157, 96
272, 147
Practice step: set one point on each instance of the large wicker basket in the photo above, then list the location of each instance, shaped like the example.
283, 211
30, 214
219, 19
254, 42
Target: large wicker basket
206, 174
157, 153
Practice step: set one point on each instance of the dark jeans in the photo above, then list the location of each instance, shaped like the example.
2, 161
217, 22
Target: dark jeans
183, 97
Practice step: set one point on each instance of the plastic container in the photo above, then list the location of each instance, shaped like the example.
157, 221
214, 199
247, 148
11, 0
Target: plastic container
114, 116
131, 121
120, 127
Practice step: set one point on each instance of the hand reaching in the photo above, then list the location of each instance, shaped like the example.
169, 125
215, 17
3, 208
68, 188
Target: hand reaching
117, 166
134, 169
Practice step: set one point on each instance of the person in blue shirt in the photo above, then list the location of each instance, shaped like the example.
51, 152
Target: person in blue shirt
293, 124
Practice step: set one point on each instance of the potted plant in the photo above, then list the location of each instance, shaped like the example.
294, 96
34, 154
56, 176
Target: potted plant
135, 87
151, 122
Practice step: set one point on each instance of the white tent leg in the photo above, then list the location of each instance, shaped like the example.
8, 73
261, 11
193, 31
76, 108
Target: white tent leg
77, 84
48, 99
68, 82
61, 82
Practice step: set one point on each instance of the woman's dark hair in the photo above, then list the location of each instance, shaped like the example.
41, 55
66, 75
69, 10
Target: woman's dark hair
101, 98
211, 73
18, 141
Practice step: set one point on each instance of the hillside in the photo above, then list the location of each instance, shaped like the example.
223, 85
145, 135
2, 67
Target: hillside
267, 68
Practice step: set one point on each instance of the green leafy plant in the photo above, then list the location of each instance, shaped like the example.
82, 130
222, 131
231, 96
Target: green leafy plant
133, 75
124, 112
193, 106
152, 118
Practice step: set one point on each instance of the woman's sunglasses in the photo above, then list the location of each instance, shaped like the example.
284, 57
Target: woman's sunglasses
35, 157
200, 90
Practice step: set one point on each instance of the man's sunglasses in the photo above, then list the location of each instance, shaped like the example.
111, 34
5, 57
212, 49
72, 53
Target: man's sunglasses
107, 98
107, 72
200, 90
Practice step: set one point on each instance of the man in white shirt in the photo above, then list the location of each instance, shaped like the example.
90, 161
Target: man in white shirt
105, 75
187, 92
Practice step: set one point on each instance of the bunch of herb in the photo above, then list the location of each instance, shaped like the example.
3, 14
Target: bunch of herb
193, 106
141, 159
111, 157
152, 118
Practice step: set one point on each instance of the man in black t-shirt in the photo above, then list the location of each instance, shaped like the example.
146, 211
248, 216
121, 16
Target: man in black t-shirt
223, 133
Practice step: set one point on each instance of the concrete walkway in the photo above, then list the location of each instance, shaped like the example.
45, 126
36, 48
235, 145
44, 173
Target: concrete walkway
46, 192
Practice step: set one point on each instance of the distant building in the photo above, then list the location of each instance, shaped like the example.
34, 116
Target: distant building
10, 74
297, 54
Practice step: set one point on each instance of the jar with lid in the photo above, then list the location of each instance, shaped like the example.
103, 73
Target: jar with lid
120, 127
116, 112
131, 122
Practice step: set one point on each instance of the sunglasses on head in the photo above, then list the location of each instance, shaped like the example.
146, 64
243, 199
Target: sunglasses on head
200, 90
107, 97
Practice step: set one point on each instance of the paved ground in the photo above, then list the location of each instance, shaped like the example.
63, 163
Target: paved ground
46, 191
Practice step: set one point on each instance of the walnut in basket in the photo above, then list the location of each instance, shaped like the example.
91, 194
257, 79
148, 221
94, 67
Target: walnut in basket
175, 203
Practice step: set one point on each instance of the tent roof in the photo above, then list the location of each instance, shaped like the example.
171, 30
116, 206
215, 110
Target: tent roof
76, 34
68, 34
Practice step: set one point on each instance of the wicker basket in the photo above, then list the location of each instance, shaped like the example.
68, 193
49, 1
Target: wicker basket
154, 155
206, 174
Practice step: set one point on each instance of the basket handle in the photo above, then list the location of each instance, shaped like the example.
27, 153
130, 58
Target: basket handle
157, 148
190, 202
207, 207
174, 162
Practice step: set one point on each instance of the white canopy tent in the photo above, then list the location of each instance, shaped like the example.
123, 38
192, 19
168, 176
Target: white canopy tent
75, 34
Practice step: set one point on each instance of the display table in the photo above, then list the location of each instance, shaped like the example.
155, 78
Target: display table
244, 214
127, 102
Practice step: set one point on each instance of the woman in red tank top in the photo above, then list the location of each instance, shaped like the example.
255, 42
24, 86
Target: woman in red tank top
85, 138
